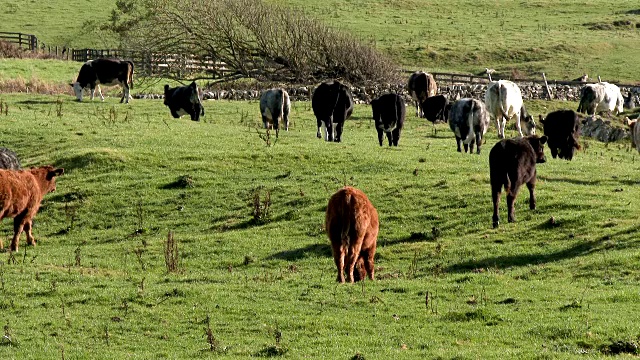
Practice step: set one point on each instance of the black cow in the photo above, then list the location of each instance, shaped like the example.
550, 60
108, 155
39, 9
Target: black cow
184, 100
562, 129
512, 162
9, 160
332, 104
436, 108
388, 113
106, 72
469, 121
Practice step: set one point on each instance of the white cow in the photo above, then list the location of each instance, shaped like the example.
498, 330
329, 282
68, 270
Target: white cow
504, 101
601, 97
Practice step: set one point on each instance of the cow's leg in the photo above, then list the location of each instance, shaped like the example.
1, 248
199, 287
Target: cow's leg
531, 185
471, 144
276, 124
285, 118
501, 122
319, 123
338, 132
92, 91
396, 136
338, 258
265, 122
495, 197
458, 142
380, 135
511, 199
27, 229
100, 92
479, 141
125, 93
390, 138
518, 125
466, 147
368, 256
417, 108
18, 226
352, 256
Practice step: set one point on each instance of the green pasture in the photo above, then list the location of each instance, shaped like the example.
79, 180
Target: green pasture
564, 39
96, 285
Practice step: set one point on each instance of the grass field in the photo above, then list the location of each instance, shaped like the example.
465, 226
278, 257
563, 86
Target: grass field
519, 38
96, 285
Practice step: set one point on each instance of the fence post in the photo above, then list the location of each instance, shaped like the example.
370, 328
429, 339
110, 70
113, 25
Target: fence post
546, 86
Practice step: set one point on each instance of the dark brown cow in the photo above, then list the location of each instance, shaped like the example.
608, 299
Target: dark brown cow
21, 193
352, 226
421, 85
562, 129
512, 162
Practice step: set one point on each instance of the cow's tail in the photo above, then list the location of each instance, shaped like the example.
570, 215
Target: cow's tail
471, 135
502, 93
130, 74
348, 217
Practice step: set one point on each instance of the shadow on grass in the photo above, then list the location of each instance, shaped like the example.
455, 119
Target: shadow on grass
37, 102
315, 250
580, 249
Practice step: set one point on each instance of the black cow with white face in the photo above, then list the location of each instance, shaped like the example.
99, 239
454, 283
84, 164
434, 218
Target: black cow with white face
106, 72
388, 114
332, 104
183, 100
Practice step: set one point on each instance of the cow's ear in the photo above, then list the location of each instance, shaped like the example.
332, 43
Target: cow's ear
166, 87
541, 119
55, 172
543, 140
71, 84
194, 85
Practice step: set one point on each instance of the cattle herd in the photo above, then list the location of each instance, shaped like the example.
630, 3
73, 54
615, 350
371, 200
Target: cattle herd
351, 220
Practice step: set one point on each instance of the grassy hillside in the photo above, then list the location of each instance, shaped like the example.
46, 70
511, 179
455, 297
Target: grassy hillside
564, 39
96, 285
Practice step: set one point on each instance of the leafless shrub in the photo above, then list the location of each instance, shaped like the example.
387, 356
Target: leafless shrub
252, 38
261, 206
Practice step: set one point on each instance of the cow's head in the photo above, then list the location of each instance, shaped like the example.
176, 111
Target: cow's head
195, 95
77, 90
46, 177
167, 94
537, 143
526, 122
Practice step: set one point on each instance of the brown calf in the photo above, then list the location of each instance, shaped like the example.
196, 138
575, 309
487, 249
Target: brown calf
352, 226
634, 130
512, 162
21, 193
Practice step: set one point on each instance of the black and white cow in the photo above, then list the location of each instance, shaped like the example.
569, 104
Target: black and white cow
469, 120
183, 100
388, 114
9, 160
601, 97
106, 72
332, 104
436, 108
275, 105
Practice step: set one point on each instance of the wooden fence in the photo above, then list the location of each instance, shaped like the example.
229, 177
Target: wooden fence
24, 41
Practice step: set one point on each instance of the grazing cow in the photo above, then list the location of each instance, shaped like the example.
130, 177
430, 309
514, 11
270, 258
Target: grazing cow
421, 85
504, 101
512, 162
600, 97
332, 105
630, 102
183, 100
21, 193
469, 121
436, 108
634, 130
388, 114
352, 226
106, 72
274, 105
9, 160
562, 129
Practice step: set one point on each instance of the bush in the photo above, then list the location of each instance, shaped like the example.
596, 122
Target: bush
252, 38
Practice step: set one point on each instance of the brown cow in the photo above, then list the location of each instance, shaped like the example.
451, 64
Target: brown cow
352, 227
512, 162
634, 130
21, 193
